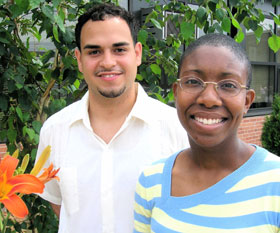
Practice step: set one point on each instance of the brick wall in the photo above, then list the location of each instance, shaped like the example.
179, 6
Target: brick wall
3, 149
250, 129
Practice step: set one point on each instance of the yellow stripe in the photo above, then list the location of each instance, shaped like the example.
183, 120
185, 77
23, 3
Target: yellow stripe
237, 209
141, 227
141, 210
176, 225
154, 169
148, 193
257, 180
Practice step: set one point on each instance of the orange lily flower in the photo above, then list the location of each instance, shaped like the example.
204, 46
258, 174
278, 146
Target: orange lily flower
10, 185
49, 174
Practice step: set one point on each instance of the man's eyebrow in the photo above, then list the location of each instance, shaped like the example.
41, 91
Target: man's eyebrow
89, 46
119, 44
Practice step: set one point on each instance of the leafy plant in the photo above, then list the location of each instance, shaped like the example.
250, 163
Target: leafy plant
271, 129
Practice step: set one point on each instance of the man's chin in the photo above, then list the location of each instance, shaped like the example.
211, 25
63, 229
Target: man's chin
112, 93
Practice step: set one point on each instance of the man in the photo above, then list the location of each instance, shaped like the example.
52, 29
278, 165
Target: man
102, 142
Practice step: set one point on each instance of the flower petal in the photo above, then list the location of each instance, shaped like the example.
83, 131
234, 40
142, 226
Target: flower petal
41, 161
8, 164
49, 174
16, 206
26, 184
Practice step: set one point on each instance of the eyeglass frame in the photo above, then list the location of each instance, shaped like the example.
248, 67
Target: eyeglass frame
214, 83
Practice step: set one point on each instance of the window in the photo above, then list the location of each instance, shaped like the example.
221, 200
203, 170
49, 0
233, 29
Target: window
263, 84
264, 68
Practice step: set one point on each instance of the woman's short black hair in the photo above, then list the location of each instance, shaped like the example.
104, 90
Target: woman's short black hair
220, 40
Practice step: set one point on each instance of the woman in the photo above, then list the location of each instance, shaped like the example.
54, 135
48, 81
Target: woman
220, 184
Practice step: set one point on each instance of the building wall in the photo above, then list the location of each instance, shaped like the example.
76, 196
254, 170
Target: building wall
250, 129
3, 149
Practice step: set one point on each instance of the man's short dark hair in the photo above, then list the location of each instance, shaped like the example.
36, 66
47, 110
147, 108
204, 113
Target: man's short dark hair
218, 40
102, 11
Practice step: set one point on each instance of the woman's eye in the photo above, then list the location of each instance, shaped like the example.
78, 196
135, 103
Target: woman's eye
228, 85
192, 82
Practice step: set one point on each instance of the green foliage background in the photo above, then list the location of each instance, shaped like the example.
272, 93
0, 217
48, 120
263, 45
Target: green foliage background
34, 85
271, 129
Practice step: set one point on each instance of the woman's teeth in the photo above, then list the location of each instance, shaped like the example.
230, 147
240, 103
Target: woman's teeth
208, 121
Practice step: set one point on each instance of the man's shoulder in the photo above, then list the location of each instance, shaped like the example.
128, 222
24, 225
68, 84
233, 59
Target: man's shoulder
63, 116
161, 109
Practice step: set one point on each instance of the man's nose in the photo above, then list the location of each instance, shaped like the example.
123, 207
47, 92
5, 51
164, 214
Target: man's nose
107, 60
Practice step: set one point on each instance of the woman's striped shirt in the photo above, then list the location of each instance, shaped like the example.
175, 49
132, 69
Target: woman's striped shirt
246, 201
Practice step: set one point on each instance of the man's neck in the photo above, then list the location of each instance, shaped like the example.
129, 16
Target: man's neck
107, 116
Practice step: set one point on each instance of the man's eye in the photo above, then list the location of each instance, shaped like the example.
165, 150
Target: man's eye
94, 52
119, 50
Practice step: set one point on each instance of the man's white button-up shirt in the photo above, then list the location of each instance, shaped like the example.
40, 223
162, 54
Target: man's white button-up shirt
98, 180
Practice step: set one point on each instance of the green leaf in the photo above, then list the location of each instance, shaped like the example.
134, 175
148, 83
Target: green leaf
187, 30
26, 116
233, 2
201, 14
142, 36
19, 79
258, 34
12, 135
220, 14
277, 20
253, 24
212, 5
23, 4
59, 19
48, 11
19, 113
55, 33
235, 23
15, 10
3, 40
155, 69
226, 24
139, 77
31, 133
218, 28
274, 43
156, 23
34, 3
56, 3
239, 37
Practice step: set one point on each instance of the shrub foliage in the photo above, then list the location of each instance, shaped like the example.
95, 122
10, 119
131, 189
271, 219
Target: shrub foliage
271, 129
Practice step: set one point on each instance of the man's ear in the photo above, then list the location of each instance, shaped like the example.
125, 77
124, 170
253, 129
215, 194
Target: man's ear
78, 57
138, 53
250, 97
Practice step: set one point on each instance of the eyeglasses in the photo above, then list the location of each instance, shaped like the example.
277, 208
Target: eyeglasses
225, 88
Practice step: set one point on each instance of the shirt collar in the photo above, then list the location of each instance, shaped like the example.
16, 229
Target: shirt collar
140, 109
81, 112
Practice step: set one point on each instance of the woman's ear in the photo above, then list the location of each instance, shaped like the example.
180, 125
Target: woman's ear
175, 87
250, 97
